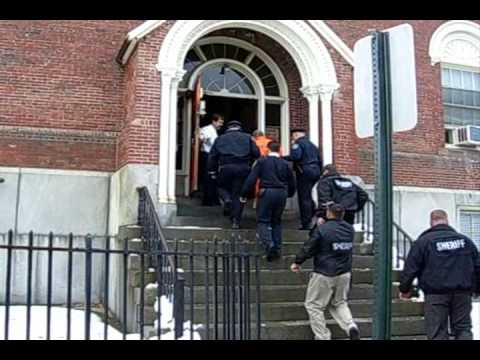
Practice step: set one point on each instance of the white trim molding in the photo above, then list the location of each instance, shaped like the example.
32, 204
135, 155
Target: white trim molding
456, 42
333, 39
303, 44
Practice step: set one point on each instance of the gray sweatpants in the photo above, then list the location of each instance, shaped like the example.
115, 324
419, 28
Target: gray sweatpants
328, 292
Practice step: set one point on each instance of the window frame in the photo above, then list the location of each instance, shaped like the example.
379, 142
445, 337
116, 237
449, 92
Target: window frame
470, 209
449, 128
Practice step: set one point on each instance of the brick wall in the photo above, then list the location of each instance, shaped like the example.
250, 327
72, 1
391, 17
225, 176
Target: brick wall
67, 104
421, 158
61, 75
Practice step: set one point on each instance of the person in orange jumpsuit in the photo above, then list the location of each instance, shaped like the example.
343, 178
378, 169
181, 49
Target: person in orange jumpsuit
262, 142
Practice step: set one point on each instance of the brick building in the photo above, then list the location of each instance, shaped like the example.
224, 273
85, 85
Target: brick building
90, 110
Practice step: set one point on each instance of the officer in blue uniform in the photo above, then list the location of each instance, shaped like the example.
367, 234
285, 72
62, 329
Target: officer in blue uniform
229, 162
276, 184
307, 164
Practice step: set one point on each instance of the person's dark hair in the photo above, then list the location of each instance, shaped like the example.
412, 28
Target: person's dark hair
297, 130
217, 117
273, 146
337, 210
330, 169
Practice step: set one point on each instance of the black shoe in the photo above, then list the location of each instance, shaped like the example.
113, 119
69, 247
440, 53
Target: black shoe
270, 256
227, 208
353, 333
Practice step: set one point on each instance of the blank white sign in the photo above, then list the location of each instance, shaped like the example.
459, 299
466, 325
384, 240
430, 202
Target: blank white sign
403, 82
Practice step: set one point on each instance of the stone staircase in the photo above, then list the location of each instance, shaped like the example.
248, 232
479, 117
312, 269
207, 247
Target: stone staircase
282, 292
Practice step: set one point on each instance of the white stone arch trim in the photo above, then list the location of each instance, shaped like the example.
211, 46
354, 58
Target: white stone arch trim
456, 42
277, 73
296, 36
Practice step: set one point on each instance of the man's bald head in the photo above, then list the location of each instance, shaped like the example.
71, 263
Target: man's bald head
438, 217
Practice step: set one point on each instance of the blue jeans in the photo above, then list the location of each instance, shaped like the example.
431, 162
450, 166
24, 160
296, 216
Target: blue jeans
271, 204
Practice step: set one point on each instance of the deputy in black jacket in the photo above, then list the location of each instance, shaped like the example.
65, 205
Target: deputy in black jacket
330, 245
276, 184
307, 163
341, 190
447, 266
229, 162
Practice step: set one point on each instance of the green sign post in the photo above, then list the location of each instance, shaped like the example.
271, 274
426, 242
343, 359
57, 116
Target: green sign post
383, 190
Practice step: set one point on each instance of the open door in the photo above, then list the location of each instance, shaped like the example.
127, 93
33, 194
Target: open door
195, 137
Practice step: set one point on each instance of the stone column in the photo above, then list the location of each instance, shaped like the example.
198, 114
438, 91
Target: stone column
166, 79
172, 137
326, 97
312, 94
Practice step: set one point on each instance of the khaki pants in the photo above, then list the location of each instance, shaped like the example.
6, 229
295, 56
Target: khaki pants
328, 292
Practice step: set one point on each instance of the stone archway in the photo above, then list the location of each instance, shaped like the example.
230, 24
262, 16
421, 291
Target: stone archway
310, 55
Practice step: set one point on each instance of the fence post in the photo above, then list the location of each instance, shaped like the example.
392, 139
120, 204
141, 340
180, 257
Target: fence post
88, 284
179, 304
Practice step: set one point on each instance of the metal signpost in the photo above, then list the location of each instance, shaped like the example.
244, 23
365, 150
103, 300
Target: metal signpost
385, 101
383, 190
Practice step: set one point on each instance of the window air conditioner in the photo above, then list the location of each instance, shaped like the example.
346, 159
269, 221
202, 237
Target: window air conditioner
467, 135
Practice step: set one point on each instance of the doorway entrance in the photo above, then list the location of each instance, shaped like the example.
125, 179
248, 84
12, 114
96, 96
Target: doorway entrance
242, 110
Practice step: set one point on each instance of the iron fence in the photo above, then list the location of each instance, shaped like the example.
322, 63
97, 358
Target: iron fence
109, 281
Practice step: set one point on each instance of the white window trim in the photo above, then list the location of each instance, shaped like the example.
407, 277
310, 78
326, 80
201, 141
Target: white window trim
447, 127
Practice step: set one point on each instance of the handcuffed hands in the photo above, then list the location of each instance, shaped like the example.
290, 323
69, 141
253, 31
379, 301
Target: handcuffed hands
405, 296
243, 200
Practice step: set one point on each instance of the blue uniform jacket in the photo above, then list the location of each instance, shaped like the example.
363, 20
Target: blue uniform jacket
273, 172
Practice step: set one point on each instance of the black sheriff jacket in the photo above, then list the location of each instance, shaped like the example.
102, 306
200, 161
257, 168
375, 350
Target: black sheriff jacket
444, 261
330, 245
340, 190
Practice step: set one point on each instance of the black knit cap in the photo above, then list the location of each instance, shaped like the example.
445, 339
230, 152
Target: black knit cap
234, 123
298, 130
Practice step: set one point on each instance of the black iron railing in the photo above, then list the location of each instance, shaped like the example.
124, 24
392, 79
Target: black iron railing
224, 270
83, 287
402, 242
170, 280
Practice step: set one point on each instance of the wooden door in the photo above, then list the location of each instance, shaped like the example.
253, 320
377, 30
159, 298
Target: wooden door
195, 137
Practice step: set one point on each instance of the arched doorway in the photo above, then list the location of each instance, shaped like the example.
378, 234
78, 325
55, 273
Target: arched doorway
298, 39
239, 81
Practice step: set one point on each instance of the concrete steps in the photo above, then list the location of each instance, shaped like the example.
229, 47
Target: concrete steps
273, 293
188, 233
410, 327
289, 248
282, 292
281, 277
295, 311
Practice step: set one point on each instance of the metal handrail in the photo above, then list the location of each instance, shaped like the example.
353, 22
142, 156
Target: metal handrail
148, 219
402, 240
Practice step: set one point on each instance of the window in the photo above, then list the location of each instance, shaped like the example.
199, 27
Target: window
470, 225
461, 97
456, 46
227, 51
222, 78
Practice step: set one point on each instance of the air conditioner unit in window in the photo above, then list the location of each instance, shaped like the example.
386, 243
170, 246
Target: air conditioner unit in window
467, 135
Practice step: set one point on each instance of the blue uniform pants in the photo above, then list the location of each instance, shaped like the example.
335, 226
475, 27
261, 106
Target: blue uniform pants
271, 204
230, 182
306, 179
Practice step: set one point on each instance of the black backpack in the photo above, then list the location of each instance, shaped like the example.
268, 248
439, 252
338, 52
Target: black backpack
345, 192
